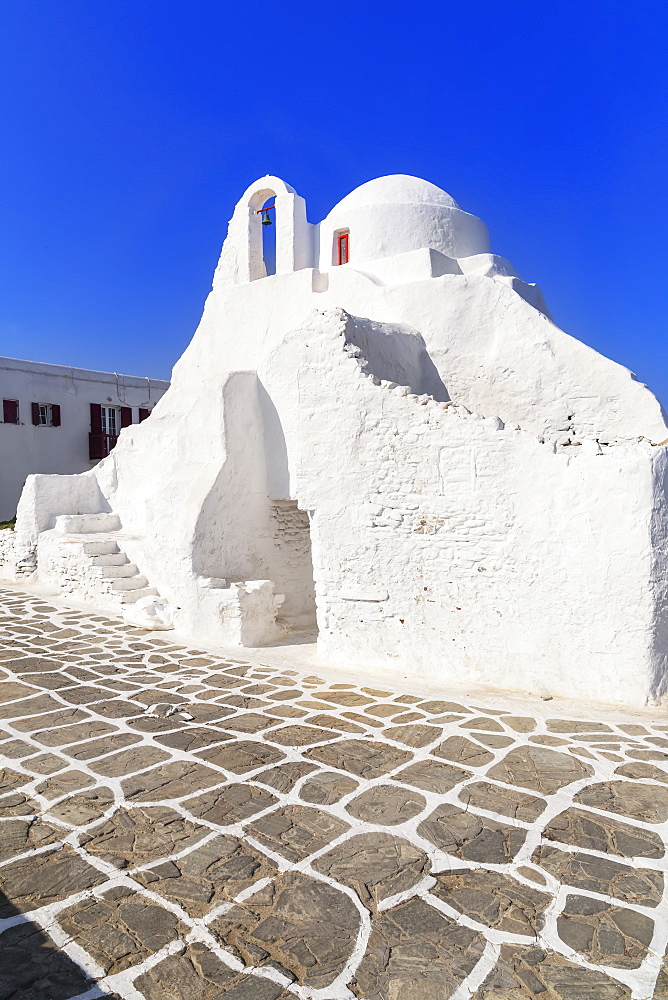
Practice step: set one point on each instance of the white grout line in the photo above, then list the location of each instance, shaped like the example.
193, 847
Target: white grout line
639, 981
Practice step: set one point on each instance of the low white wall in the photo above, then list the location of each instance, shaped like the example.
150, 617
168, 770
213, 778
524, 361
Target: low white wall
44, 498
7, 560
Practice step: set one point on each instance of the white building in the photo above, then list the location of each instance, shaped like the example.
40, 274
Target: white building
62, 420
388, 437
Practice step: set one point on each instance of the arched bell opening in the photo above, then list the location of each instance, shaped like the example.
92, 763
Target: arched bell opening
262, 234
268, 222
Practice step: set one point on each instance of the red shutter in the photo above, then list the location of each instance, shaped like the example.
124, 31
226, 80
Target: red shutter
10, 411
55, 415
35, 414
95, 419
143, 414
126, 416
95, 446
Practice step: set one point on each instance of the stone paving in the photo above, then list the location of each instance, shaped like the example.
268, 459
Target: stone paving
178, 824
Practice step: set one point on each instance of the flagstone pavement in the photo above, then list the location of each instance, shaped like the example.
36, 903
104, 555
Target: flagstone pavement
180, 825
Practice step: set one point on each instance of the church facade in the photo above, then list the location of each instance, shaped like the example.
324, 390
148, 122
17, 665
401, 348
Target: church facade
389, 441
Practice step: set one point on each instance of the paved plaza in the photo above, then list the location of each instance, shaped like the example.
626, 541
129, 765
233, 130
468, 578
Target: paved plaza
183, 825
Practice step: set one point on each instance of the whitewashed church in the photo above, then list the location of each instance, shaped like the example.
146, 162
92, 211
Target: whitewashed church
387, 440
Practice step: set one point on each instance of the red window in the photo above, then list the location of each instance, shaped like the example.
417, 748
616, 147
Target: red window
143, 414
105, 426
10, 411
95, 418
343, 248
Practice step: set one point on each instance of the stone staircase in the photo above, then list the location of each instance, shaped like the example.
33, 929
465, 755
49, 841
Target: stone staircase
117, 575
84, 555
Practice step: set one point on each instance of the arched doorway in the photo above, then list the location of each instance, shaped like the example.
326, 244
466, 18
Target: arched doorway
292, 564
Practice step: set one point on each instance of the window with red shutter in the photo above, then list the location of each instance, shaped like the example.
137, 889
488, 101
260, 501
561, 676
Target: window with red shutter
95, 418
105, 426
10, 411
143, 414
95, 438
45, 414
42, 414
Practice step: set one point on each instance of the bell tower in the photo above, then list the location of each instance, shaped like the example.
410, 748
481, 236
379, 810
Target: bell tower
242, 258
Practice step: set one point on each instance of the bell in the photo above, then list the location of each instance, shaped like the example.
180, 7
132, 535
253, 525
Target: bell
266, 221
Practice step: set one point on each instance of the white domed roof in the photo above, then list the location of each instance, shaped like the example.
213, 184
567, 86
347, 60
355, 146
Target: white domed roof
396, 189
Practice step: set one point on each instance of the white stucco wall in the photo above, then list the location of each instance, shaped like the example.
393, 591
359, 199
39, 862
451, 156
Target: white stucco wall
434, 529
26, 449
485, 496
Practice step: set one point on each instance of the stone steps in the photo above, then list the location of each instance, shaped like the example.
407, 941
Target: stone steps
109, 559
129, 583
117, 572
98, 568
102, 546
132, 596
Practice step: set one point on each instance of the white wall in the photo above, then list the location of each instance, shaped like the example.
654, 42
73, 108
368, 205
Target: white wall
450, 546
26, 449
499, 355
396, 214
378, 231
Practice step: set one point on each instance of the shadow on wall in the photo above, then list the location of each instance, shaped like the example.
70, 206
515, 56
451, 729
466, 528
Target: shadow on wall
659, 530
31, 965
233, 516
248, 526
275, 448
397, 354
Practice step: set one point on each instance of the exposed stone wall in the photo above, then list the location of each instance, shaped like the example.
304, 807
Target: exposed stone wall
18, 556
67, 565
294, 566
6, 551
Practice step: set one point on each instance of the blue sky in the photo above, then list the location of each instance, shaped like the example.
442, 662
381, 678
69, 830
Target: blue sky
130, 129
